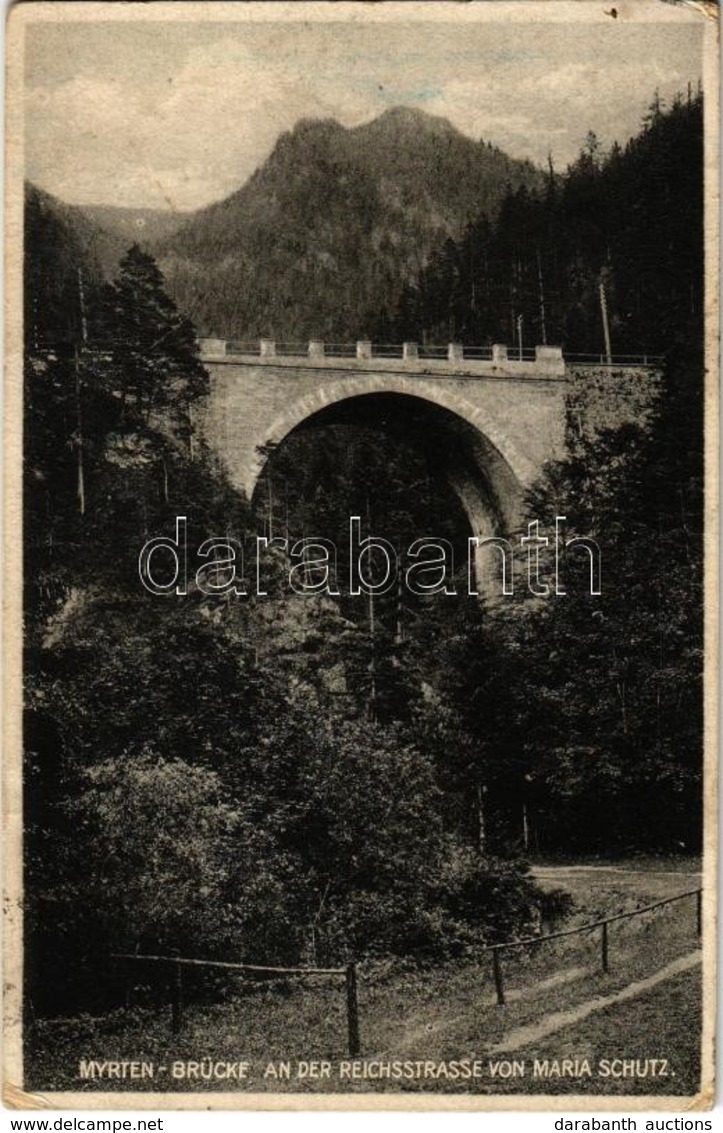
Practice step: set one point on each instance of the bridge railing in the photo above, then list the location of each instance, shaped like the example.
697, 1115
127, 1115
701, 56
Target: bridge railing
339, 349
292, 349
481, 353
387, 350
236, 346
615, 359
522, 354
425, 350
404, 351
498, 354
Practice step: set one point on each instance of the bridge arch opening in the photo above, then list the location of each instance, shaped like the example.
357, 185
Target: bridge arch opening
458, 453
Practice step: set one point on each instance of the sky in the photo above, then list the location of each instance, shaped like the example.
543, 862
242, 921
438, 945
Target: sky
176, 115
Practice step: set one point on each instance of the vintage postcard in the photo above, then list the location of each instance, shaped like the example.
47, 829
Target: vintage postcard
361, 523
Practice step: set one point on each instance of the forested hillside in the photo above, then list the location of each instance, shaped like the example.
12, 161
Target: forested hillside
59, 241
333, 225
118, 228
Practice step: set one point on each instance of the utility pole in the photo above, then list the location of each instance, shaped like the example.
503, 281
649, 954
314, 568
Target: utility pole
191, 445
606, 328
270, 496
286, 510
513, 299
481, 824
525, 817
543, 327
372, 661
519, 335
83, 319
78, 390
79, 436
372, 637
399, 634
305, 559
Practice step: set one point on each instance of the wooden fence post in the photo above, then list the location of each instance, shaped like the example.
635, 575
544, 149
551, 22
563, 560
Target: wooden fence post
699, 912
352, 1010
605, 960
176, 989
499, 983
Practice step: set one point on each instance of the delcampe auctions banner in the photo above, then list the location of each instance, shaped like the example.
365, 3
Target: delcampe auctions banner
361, 525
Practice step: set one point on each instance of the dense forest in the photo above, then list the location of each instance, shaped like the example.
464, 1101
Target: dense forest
628, 219
311, 778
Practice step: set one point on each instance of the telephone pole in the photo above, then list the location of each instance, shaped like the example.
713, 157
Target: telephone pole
78, 394
543, 327
606, 328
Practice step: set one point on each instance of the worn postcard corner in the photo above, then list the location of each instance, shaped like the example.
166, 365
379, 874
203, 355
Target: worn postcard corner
361, 510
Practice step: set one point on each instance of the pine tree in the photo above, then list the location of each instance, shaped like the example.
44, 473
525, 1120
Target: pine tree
156, 368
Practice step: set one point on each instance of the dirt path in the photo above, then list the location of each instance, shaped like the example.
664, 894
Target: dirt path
533, 1032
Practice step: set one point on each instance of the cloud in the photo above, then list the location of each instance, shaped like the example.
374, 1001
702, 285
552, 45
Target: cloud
199, 135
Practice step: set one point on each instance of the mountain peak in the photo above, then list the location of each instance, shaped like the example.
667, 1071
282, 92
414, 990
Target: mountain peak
405, 118
317, 126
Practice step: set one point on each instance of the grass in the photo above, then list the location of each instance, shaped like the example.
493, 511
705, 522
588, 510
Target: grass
445, 1013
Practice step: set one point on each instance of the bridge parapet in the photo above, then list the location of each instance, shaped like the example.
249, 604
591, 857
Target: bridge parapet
455, 358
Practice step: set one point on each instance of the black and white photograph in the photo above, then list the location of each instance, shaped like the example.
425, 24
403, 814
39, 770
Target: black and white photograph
360, 606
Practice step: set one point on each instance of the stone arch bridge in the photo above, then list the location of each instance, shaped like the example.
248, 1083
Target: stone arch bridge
494, 419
